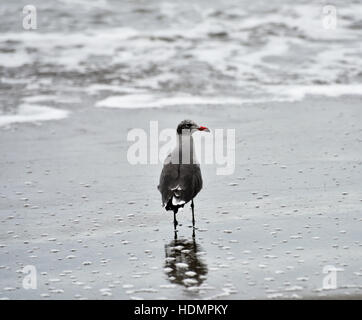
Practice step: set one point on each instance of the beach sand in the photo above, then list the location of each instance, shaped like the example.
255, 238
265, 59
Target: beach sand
92, 224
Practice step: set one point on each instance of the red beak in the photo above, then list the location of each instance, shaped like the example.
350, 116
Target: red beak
204, 129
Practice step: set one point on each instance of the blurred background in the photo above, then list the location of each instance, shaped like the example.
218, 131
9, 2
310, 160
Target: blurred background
144, 51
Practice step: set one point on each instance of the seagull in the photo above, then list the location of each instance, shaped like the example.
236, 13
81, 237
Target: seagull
181, 179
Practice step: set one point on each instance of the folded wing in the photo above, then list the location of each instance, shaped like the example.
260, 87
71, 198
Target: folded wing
179, 184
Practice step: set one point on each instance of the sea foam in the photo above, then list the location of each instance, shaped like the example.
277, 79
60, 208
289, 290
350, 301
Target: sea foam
33, 113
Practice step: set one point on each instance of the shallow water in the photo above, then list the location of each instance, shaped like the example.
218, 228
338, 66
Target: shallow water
92, 224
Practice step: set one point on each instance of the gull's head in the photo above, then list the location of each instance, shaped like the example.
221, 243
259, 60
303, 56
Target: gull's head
189, 127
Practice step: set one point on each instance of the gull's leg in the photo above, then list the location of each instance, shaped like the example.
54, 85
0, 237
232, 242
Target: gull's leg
193, 215
175, 223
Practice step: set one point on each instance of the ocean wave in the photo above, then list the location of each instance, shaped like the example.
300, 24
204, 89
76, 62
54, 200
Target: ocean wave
276, 93
296, 93
136, 101
210, 49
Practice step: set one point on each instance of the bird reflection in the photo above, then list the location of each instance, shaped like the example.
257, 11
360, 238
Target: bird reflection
184, 264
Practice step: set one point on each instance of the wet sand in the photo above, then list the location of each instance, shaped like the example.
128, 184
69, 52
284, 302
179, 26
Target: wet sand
92, 224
